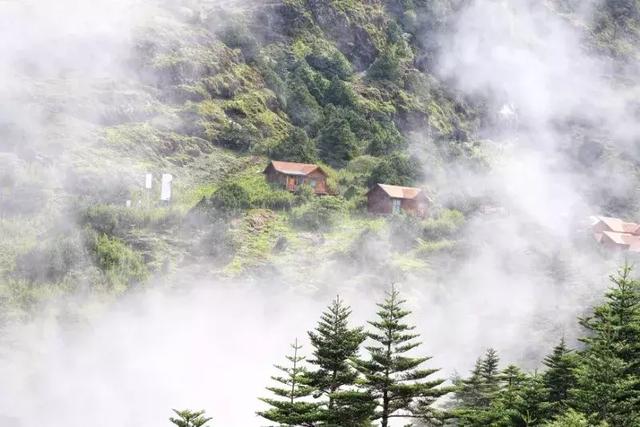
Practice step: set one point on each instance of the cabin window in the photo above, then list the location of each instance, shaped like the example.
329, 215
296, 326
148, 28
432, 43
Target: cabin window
396, 204
312, 183
299, 180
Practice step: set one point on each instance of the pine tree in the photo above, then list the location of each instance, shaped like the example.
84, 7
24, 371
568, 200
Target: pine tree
290, 409
489, 373
189, 418
560, 376
336, 345
476, 394
608, 381
391, 377
469, 390
530, 407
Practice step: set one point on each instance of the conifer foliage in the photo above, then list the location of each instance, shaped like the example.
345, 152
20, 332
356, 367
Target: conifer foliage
597, 385
187, 418
335, 347
290, 408
392, 376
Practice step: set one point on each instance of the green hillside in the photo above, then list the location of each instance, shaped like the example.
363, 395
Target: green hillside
210, 94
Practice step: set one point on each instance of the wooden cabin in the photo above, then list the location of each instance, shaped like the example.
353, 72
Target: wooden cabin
616, 234
292, 175
392, 199
620, 241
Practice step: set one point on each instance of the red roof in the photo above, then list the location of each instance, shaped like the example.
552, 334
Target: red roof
619, 226
632, 242
291, 168
397, 192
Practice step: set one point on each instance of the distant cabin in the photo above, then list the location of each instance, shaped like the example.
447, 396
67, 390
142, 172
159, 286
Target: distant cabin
614, 233
292, 175
389, 199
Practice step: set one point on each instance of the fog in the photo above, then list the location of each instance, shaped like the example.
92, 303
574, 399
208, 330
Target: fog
206, 342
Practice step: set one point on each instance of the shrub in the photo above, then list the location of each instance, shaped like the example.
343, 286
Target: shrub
51, 260
250, 190
231, 197
318, 214
404, 231
119, 220
445, 225
396, 169
120, 264
297, 147
330, 62
340, 94
304, 194
387, 66
426, 248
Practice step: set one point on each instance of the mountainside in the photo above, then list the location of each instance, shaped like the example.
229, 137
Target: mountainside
519, 119
373, 91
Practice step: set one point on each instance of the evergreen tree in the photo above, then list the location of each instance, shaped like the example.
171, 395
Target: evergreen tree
392, 377
560, 376
490, 375
530, 407
336, 141
476, 394
297, 147
469, 390
189, 418
608, 381
289, 409
336, 345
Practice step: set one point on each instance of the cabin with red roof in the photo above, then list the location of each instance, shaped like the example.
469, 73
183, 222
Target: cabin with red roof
392, 199
291, 175
616, 234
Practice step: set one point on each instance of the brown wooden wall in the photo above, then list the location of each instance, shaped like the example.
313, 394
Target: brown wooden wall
379, 202
274, 176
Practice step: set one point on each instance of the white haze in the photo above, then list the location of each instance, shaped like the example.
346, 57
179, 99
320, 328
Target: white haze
212, 345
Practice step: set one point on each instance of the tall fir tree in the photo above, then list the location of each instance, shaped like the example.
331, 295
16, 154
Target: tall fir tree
335, 347
393, 378
490, 373
290, 408
560, 376
476, 393
608, 381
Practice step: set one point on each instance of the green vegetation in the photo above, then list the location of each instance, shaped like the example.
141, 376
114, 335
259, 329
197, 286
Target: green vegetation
187, 418
596, 385
120, 264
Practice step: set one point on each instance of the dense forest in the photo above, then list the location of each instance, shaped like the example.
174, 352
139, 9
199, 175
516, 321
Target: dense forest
517, 119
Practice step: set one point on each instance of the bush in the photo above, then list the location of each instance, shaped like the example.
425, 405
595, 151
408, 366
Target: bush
250, 190
387, 66
426, 248
404, 231
445, 225
51, 260
120, 264
230, 197
319, 214
330, 62
340, 94
120, 220
295, 148
396, 169
304, 194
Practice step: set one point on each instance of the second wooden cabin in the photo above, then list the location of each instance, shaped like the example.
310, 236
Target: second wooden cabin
292, 175
392, 199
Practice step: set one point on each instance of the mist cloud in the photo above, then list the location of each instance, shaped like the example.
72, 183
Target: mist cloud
526, 275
